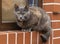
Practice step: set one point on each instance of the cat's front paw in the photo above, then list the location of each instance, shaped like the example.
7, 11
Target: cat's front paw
23, 30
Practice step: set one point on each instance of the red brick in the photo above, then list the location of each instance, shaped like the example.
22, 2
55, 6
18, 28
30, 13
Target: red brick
20, 38
3, 39
34, 38
57, 1
54, 16
53, 8
56, 33
27, 38
57, 8
48, 0
48, 8
55, 24
51, 1
56, 41
11, 38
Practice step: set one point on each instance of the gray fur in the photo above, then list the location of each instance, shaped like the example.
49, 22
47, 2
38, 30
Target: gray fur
34, 21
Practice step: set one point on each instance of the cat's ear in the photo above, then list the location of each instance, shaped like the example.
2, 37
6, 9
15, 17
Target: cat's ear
26, 7
16, 7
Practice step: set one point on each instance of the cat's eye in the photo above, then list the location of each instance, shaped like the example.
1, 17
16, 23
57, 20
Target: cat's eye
18, 12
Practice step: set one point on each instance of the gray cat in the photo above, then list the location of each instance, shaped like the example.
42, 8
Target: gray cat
33, 19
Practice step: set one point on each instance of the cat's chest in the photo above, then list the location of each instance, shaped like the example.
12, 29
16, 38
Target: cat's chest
22, 24
31, 22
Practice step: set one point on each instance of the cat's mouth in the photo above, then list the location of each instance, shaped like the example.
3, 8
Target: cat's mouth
20, 20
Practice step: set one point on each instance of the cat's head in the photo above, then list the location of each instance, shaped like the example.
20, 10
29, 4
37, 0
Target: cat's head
22, 13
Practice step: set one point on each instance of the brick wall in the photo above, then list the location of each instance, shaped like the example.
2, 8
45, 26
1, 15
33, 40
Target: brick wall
52, 7
16, 37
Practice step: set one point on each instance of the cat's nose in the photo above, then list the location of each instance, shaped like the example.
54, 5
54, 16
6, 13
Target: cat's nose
20, 17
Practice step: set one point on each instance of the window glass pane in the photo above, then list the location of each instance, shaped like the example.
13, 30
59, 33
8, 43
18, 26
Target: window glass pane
30, 2
33, 2
36, 2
